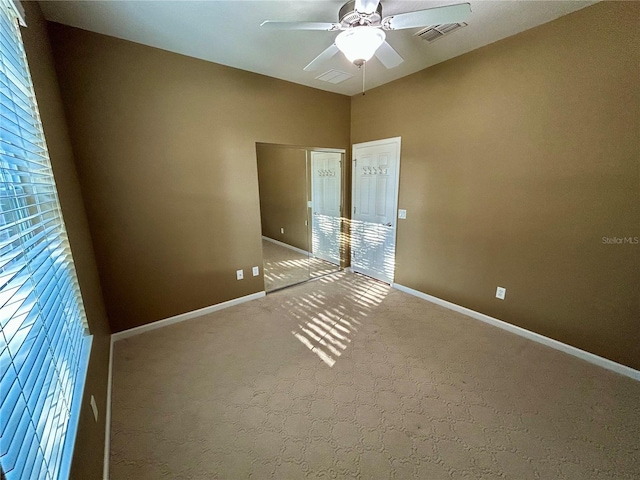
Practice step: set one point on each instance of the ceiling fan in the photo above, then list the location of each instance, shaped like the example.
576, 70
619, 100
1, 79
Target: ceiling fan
363, 30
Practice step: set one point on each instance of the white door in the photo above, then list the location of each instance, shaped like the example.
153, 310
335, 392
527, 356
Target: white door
375, 202
325, 215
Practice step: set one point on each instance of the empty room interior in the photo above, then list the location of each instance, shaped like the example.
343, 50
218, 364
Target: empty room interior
317, 239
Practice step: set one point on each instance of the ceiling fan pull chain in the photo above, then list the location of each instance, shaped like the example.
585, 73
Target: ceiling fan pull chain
364, 69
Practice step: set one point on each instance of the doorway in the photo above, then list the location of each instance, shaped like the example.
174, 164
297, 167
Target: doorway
300, 209
375, 179
325, 206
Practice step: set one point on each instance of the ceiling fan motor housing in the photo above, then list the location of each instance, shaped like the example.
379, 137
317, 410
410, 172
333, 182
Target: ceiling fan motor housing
348, 16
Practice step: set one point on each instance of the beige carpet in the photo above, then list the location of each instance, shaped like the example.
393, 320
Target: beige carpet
344, 378
284, 266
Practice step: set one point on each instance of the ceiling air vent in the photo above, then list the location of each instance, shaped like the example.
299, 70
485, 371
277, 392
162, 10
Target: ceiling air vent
431, 34
334, 76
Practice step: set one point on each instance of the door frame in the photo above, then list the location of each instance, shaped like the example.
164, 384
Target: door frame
373, 143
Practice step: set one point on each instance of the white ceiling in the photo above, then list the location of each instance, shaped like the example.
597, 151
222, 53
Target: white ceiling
229, 33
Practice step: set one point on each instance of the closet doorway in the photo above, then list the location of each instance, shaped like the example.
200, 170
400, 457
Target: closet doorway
301, 212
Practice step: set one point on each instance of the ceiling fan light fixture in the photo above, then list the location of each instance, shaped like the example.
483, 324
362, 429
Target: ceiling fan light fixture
360, 43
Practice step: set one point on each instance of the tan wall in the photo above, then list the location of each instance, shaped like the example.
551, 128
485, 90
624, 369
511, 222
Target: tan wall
282, 179
516, 160
166, 153
89, 451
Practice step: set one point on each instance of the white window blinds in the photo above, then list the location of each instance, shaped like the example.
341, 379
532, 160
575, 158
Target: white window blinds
44, 343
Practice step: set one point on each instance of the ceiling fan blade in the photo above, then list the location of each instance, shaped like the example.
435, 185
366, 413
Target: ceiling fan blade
300, 25
388, 55
323, 57
432, 16
366, 6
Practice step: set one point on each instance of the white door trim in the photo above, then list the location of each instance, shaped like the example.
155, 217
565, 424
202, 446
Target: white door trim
373, 143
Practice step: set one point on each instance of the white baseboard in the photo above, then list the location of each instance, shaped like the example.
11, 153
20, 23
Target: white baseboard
536, 337
184, 316
107, 416
145, 328
286, 245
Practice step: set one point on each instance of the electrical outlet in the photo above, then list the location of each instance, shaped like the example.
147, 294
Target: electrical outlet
282, 230
94, 407
501, 292
256, 271
239, 274
402, 213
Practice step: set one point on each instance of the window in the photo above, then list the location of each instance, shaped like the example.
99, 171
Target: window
44, 344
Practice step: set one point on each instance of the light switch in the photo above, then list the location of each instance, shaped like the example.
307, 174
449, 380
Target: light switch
239, 274
402, 213
501, 292
256, 271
